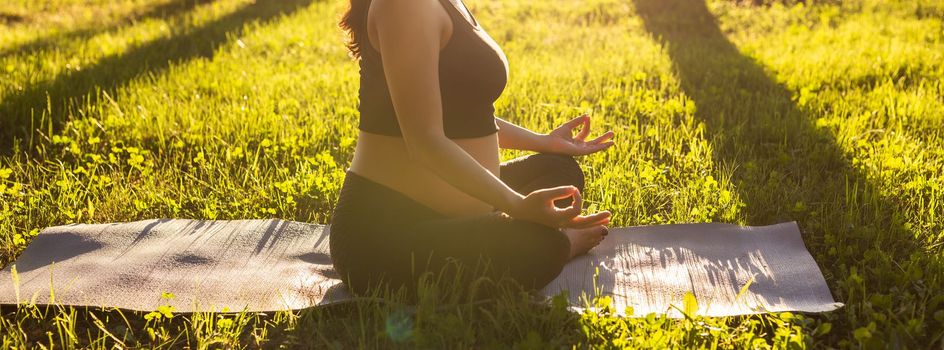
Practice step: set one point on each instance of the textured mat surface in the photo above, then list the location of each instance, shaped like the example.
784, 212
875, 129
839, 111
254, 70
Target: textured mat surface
729, 269
264, 265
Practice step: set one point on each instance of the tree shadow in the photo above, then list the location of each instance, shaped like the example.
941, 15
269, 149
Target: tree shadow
165, 10
47, 104
788, 169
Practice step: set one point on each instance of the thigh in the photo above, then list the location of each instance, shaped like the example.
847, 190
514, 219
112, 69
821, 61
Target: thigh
493, 245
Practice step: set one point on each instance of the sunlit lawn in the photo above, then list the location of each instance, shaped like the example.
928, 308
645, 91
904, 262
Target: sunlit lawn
830, 114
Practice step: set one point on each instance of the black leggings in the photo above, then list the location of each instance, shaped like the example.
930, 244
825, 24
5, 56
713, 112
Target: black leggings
378, 235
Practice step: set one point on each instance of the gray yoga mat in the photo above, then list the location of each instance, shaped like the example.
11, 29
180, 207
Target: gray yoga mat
266, 265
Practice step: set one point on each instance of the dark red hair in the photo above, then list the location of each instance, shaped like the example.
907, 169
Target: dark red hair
354, 23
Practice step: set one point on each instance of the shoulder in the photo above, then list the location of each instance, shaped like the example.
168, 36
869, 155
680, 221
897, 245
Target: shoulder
401, 12
409, 22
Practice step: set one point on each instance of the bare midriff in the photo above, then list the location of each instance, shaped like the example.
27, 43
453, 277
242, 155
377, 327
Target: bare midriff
385, 160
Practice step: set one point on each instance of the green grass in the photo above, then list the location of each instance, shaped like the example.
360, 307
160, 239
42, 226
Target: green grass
828, 113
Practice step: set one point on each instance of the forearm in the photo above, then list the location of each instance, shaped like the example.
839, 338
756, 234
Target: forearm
512, 136
454, 165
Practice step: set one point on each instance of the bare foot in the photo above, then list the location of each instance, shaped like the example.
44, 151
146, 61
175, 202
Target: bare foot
582, 240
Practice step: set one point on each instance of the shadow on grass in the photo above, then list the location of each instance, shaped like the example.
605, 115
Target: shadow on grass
46, 105
165, 10
788, 169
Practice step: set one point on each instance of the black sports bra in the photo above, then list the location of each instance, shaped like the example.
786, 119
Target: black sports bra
473, 72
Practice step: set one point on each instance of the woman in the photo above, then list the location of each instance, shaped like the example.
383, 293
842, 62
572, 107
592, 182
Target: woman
426, 186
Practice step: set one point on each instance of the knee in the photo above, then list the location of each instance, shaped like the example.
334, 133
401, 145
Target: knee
558, 250
543, 257
560, 246
565, 167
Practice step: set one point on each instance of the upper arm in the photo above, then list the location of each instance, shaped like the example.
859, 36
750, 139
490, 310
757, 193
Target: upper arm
409, 33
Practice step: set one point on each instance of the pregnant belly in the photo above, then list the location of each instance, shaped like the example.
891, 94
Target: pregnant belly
385, 160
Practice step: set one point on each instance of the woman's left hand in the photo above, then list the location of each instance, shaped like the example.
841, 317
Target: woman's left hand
563, 141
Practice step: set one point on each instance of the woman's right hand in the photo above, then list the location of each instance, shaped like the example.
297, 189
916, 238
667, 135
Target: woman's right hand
538, 206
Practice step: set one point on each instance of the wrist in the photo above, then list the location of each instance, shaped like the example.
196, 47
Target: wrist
542, 143
511, 203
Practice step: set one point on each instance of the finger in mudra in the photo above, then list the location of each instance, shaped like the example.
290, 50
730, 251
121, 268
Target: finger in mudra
564, 141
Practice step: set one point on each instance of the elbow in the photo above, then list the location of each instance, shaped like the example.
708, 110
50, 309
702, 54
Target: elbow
424, 148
